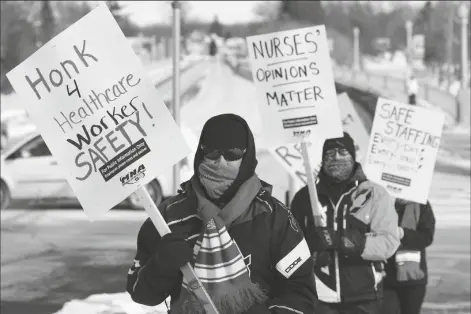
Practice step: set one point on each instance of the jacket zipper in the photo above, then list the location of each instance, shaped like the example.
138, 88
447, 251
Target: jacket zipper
336, 254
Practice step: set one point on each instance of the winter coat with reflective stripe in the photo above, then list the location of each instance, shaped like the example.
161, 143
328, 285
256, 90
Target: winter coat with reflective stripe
269, 238
415, 240
367, 207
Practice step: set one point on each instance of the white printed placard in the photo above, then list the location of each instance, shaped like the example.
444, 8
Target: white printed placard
98, 112
353, 125
295, 85
290, 155
403, 148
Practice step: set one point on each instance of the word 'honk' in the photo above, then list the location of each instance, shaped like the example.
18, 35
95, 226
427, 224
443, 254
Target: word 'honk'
55, 76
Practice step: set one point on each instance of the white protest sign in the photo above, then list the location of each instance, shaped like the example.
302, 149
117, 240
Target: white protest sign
353, 125
403, 148
290, 155
98, 112
295, 85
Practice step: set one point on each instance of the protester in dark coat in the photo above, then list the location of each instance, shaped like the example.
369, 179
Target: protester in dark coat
245, 246
360, 233
406, 271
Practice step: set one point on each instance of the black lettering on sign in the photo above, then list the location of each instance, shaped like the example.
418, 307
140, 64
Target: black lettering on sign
75, 90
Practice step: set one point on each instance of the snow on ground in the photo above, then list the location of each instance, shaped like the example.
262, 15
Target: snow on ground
110, 303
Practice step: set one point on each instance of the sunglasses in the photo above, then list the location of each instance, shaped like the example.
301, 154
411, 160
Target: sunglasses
331, 152
231, 154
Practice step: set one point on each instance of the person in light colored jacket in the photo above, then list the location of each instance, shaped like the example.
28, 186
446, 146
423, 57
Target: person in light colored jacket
361, 232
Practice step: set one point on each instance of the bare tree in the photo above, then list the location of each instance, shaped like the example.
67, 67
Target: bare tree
268, 10
47, 22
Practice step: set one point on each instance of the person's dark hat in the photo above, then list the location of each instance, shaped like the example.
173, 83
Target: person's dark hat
342, 142
228, 131
225, 131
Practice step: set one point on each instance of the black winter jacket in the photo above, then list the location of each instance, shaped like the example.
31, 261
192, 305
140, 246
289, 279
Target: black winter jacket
269, 238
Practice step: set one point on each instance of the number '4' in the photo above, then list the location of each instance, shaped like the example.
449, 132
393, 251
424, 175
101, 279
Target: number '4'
75, 90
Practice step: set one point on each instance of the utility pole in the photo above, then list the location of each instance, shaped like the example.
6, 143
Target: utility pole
450, 42
176, 82
409, 42
463, 14
356, 49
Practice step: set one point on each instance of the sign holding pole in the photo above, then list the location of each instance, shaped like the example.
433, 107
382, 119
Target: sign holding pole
176, 82
102, 119
296, 92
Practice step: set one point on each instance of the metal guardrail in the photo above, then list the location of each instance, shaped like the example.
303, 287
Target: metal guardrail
388, 85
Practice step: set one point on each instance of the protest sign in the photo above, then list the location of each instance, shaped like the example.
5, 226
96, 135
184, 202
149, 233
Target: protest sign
295, 85
98, 112
403, 148
102, 119
353, 125
290, 155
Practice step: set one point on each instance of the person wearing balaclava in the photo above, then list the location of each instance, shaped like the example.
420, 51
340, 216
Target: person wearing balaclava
244, 245
360, 233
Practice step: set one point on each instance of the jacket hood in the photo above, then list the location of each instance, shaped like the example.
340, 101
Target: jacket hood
249, 161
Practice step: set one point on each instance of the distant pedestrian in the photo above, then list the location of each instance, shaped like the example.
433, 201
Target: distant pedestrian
412, 89
406, 272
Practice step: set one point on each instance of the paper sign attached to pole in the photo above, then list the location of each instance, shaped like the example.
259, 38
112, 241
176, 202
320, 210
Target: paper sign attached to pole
98, 112
353, 125
290, 155
102, 119
292, 72
403, 148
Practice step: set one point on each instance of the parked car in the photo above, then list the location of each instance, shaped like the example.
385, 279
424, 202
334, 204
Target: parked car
29, 171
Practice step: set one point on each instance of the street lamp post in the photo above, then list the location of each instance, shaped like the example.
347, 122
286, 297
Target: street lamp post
176, 82
356, 49
409, 38
463, 14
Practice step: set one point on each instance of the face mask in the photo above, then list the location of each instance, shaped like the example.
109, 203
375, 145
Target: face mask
216, 176
339, 168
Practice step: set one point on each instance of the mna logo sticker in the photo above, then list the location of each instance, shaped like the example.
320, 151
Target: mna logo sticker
134, 175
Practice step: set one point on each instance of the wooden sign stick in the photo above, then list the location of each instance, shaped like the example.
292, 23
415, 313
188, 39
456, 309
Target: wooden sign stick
187, 270
318, 221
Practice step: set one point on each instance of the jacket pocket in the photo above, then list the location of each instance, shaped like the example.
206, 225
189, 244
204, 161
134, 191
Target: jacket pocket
359, 281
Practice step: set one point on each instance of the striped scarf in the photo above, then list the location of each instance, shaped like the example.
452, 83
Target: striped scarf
218, 261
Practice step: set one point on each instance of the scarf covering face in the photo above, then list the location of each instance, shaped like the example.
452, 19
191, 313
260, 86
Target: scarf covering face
227, 131
218, 262
217, 176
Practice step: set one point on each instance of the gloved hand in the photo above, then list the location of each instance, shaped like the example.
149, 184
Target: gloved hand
320, 239
172, 252
258, 309
322, 259
352, 242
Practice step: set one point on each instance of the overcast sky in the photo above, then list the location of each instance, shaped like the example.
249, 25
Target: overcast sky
228, 12
148, 12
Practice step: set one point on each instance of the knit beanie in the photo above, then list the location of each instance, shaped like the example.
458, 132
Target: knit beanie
345, 142
224, 132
